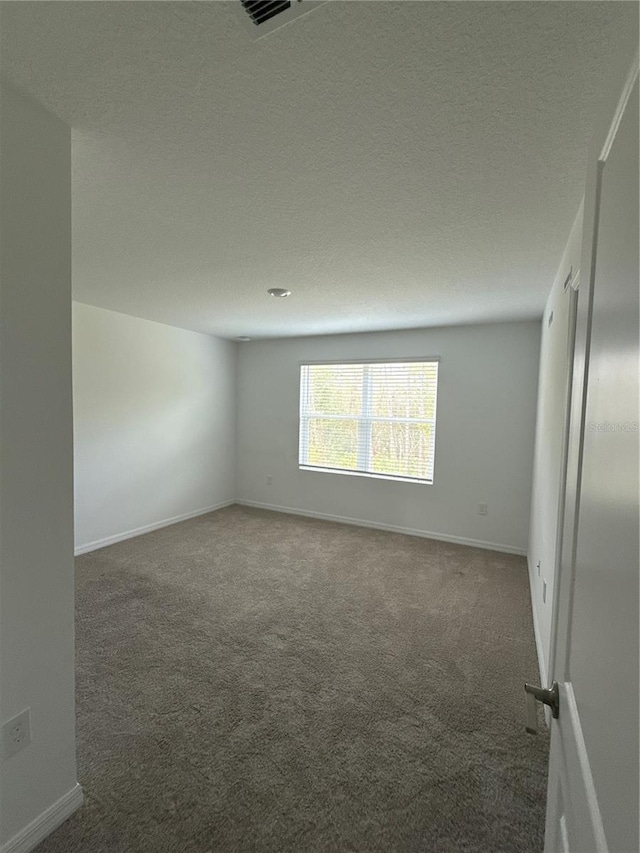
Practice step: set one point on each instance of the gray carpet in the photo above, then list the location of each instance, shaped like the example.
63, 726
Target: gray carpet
251, 681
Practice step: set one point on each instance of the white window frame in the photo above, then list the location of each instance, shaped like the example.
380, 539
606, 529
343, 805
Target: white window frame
365, 421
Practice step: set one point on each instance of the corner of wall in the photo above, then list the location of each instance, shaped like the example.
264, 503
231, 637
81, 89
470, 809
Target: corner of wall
236, 416
36, 518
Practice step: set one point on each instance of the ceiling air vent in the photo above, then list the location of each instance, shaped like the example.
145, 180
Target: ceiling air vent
263, 10
265, 16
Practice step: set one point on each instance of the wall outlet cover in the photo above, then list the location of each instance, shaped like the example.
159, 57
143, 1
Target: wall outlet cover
483, 509
16, 733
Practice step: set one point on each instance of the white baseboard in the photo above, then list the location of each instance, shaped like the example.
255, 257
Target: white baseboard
392, 528
138, 531
50, 819
542, 666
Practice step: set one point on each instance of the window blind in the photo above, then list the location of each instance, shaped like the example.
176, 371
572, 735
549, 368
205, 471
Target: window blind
374, 418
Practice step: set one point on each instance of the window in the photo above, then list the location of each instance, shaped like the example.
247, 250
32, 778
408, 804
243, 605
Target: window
376, 419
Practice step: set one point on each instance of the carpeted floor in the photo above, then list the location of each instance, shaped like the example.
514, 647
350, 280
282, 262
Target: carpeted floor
254, 682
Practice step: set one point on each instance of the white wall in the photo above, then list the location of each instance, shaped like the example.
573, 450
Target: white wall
154, 424
36, 511
550, 431
484, 439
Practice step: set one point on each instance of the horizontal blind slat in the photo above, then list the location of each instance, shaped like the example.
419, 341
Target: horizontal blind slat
374, 417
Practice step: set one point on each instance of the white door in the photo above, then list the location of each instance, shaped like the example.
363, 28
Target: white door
593, 770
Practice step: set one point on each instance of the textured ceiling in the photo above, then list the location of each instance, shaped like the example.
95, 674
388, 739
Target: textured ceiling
394, 164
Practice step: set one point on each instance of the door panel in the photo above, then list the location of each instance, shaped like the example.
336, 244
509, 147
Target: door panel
593, 770
603, 650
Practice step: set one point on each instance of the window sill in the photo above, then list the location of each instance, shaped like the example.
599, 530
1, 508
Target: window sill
391, 477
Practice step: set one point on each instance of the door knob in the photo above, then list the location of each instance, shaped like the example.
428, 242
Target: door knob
550, 697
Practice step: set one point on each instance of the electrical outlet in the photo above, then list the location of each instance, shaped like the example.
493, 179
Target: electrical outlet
483, 509
16, 733
544, 592
269, 480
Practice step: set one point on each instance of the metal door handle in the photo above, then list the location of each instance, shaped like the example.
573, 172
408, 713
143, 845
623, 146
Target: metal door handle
550, 697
